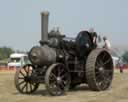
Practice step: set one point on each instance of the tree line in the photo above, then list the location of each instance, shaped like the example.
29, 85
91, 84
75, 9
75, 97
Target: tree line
125, 57
5, 52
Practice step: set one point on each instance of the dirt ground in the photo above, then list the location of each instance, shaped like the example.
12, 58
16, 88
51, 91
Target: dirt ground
118, 92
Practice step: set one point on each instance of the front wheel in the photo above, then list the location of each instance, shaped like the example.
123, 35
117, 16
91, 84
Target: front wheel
23, 80
57, 79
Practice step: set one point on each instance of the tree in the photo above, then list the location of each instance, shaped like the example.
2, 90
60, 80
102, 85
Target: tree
5, 52
125, 57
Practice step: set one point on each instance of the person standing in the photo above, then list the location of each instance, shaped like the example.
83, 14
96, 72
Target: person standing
99, 42
107, 43
94, 37
120, 65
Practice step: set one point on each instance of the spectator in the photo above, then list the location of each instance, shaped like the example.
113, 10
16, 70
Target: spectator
121, 65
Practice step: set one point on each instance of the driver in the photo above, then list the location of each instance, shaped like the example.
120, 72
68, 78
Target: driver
94, 37
107, 43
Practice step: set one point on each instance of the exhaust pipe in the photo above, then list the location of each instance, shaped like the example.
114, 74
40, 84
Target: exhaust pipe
44, 27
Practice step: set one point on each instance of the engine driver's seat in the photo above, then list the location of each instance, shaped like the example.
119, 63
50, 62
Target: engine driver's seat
84, 43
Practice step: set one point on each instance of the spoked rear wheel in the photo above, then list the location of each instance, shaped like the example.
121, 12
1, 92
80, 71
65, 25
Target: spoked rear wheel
57, 79
23, 80
99, 70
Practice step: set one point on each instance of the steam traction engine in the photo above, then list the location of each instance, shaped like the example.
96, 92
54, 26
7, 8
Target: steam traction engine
62, 63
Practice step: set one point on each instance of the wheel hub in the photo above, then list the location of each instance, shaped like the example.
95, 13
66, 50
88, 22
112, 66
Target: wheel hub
27, 79
59, 80
101, 69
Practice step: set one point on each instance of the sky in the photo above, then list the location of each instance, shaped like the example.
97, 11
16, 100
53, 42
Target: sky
20, 21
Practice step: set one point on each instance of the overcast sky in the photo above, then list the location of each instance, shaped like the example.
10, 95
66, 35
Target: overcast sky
20, 20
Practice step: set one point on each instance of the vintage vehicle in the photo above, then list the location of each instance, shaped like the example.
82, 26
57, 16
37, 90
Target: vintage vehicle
17, 60
61, 63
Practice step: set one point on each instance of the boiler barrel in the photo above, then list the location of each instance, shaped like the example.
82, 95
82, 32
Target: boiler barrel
43, 55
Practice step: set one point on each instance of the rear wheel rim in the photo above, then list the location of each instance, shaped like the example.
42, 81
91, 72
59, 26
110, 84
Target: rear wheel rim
103, 71
99, 70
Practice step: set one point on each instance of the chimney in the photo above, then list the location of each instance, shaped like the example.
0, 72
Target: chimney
44, 27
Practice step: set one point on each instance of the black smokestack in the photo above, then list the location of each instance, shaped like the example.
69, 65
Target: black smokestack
44, 27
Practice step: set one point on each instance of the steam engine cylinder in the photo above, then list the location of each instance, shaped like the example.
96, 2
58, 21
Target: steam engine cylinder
42, 55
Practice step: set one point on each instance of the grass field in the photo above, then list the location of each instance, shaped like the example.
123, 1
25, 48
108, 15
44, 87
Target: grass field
118, 92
